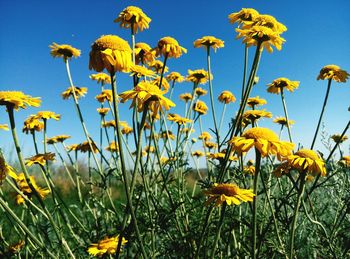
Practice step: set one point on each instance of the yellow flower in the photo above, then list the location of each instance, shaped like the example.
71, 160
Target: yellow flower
175, 76
282, 82
58, 138
140, 71
208, 41
165, 85
246, 14
79, 92
126, 130
40, 159
210, 145
229, 193
31, 124
169, 47
24, 187
5, 169
205, 136
263, 139
112, 147
108, 124
197, 153
200, 107
255, 101
46, 115
64, 51
105, 95
249, 168
112, 53
15, 248
186, 97
167, 134
254, 115
199, 76
345, 161
149, 149
226, 97
283, 121
144, 53
306, 160
157, 66
146, 92
200, 91
220, 156
187, 130
333, 72
108, 245
103, 111
85, 147
72, 147
17, 99
262, 35
178, 119
338, 139
266, 21
4, 127
102, 78
135, 17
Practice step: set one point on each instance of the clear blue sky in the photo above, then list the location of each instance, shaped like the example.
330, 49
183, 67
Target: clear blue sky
318, 35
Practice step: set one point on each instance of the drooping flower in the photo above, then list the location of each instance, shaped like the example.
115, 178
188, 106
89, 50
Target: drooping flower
283, 121
144, 53
263, 139
40, 159
226, 97
31, 124
146, 92
262, 35
46, 115
17, 99
79, 92
205, 136
112, 53
333, 72
135, 17
105, 95
4, 127
178, 119
255, 101
140, 71
157, 66
200, 107
229, 193
199, 76
175, 76
186, 97
306, 160
103, 111
102, 78
208, 41
282, 82
106, 246
338, 138
64, 51
170, 48
244, 15
200, 91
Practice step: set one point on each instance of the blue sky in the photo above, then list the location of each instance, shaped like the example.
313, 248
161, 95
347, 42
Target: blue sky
317, 35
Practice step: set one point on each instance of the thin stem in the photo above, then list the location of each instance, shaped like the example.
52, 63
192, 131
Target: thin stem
286, 114
222, 117
245, 68
255, 201
221, 223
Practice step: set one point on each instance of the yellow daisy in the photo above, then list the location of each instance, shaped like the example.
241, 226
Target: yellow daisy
246, 14
112, 147
167, 134
175, 76
79, 92
205, 136
306, 160
197, 153
208, 41
200, 91
254, 115
178, 119
165, 85
229, 193
157, 66
255, 101
186, 97
144, 53
108, 245
31, 124
17, 99
226, 97
345, 161
283, 121
333, 72
46, 115
200, 107
85, 147
135, 17
102, 78
169, 47
105, 95
140, 71
282, 82
126, 130
40, 159
57, 139
64, 51
338, 139
266, 21
103, 111
210, 145
199, 76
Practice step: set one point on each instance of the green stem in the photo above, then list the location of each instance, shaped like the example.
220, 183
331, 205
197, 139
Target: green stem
245, 68
255, 201
221, 223
286, 114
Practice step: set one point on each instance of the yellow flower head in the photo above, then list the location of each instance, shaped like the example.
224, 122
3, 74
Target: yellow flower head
175, 76
186, 97
57, 139
79, 92
165, 85
333, 72
46, 115
105, 95
157, 66
135, 17
205, 136
103, 111
200, 91
5, 169
283, 121
200, 107
208, 41
31, 124
108, 124
210, 145
254, 115
337, 138
220, 156
17, 99
262, 35
255, 101
345, 161
199, 76
264, 140
112, 147
15, 248
306, 160
229, 193
64, 51
106, 246
4, 127
276, 86
102, 78
178, 119
167, 134
149, 149
149, 93
40, 159
197, 153
246, 14
85, 147
144, 53
226, 97
72, 147
126, 130
266, 21
169, 47
112, 53
140, 71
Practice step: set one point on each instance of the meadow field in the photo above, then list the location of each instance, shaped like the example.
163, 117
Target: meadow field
169, 175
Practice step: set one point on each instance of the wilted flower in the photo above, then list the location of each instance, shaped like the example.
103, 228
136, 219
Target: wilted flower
208, 41
17, 99
63, 51
79, 92
333, 72
226, 97
15, 248
282, 82
169, 47
135, 17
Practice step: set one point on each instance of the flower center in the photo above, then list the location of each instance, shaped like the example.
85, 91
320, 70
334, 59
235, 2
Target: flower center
262, 133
